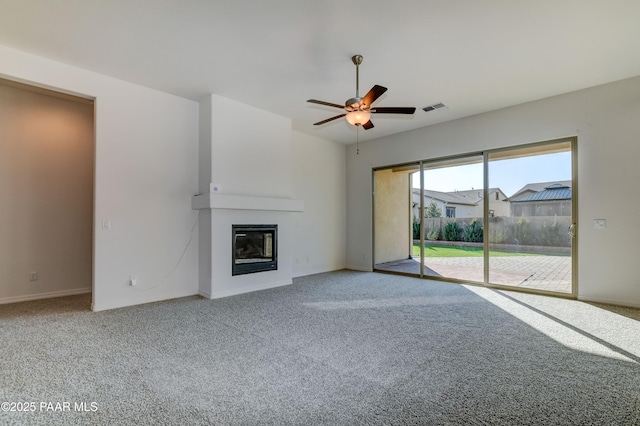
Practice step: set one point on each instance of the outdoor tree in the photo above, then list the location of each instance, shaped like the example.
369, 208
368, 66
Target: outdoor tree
432, 210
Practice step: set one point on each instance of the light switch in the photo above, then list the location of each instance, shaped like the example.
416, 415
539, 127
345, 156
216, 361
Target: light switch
106, 224
599, 223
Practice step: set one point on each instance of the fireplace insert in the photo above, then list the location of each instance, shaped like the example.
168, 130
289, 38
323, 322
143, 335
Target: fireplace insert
255, 248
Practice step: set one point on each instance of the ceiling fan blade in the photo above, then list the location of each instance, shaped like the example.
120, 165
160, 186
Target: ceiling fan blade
329, 119
368, 125
393, 110
375, 92
315, 101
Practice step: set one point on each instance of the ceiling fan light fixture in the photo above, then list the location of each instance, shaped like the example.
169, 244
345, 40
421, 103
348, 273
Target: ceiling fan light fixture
358, 118
358, 110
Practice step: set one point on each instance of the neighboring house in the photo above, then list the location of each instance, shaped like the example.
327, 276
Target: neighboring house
462, 204
542, 199
532, 188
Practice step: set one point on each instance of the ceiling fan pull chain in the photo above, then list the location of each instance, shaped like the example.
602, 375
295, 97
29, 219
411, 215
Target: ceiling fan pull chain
357, 140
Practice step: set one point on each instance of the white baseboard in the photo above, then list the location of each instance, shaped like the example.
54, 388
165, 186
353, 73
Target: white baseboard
318, 271
359, 268
242, 290
140, 301
609, 301
48, 295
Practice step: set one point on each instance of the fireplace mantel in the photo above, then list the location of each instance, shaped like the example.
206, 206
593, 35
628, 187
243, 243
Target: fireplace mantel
244, 202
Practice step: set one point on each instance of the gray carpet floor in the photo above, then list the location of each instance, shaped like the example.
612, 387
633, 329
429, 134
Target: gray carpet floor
340, 348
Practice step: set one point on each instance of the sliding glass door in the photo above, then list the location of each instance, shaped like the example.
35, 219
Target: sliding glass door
453, 212
504, 218
530, 230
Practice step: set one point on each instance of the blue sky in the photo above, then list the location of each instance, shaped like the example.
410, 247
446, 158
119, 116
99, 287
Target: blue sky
508, 175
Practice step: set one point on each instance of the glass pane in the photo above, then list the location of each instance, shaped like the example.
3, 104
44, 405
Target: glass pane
530, 204
453, 201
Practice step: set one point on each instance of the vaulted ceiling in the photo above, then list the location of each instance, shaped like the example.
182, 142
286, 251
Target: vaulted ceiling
474, 56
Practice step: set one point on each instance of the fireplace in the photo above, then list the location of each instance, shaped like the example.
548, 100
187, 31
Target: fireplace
254, 249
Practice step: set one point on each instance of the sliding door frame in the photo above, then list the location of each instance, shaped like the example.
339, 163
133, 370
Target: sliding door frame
573, 140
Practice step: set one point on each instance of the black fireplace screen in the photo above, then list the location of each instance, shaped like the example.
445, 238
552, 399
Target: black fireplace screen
254, 249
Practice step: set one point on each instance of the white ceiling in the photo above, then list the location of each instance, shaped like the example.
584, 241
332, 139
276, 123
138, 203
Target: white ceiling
473, 55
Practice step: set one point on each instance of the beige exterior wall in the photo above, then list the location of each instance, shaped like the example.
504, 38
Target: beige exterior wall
392, 205
499, 207
464, 211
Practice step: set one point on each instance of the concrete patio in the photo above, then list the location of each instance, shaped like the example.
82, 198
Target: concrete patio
549, 273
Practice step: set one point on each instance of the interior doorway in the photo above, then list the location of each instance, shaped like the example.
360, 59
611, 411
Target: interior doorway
501, 218
47, 145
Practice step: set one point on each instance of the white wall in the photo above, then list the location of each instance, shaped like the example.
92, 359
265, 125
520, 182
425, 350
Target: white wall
46, 193
606, 120
320, 233
247, 152
147, 169
250, 150
146, 173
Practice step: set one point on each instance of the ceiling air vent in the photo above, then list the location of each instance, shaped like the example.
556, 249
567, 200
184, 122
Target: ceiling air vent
434, 107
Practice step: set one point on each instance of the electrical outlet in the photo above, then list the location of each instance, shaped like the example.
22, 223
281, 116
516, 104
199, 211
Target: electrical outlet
33, 276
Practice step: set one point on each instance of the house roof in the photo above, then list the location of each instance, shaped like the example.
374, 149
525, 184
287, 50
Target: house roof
469, 197
555, 191
537, 187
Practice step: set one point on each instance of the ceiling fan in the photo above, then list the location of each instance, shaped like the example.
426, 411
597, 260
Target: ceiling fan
358, 110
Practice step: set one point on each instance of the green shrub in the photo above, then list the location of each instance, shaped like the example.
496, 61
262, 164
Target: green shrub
416, 229
433, 234
473, 232
452, 231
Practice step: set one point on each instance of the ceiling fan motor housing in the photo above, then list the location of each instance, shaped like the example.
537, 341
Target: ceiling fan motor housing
353, 104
